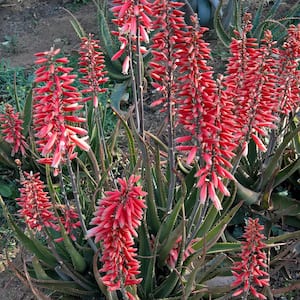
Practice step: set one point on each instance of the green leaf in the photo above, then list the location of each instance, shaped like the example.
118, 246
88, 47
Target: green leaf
257, 16
161, 181
76, 25
168, 285
114, 70
38, 269
31, 244
283, 237
288, 171
118, 94
210, 238
228, 13
109, 47
170, 220
285, 206
131, 145
78, 261
5, 190
147, 259
224, 247
168, 244
250, 197
272, 11
204, 270
223, 36
273, 163
65, 287
27, 113
201, 271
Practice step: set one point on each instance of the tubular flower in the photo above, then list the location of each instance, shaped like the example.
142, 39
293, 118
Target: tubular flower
167, 42
205, 113
175, 251
133, 21
36, 208
11, 127
117, 217
251, 83
55, 102
248, 272
289, 74
70, 221
92, 66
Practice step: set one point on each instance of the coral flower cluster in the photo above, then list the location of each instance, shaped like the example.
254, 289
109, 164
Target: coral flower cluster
134, 23
117, 217
248, 272
92, 67
289, 73
251, 85
69, 219
167, 42
11, 128
261, 82
175, 251
206, 115
36, 207
56, 104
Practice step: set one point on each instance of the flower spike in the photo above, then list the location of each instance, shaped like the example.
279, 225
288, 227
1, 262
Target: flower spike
92, 66
11, 128
248, 272
36, 207
55, 102
117, 217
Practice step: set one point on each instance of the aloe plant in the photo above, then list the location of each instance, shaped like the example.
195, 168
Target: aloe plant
144, 215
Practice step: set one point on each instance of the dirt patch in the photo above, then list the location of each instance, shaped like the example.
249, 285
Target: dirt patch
30, 26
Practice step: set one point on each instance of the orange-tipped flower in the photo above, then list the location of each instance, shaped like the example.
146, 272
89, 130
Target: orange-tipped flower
92, 66
248, 272
36, 207
289, 73
70, 220
117, 217
55, 102
133, 21
11, 128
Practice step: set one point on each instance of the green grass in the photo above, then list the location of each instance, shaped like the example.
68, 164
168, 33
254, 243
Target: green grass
15, 83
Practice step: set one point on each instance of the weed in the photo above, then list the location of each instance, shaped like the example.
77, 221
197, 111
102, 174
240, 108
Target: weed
15, 84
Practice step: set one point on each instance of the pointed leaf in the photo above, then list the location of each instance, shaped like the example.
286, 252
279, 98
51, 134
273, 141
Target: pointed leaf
211, 237
247, 195
31, 244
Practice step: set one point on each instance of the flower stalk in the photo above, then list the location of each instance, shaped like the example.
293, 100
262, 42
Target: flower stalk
249, 271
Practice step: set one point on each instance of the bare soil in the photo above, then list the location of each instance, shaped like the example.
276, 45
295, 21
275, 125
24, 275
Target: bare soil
30, 26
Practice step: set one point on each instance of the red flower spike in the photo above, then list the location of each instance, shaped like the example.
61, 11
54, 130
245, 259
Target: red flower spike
117, 217
70, 220
247, 272
92, 67
11, 128
205, 112
36, 207
55, 104
167, 43
251, 83
289, 73
174, 253
133, 21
